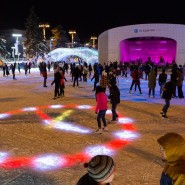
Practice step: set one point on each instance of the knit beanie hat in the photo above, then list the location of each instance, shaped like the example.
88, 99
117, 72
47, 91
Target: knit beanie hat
100, 167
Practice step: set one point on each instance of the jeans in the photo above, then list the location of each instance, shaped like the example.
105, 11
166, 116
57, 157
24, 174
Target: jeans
101, 115
166, 106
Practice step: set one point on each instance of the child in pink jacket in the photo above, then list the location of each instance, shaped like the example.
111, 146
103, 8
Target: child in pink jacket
101, 108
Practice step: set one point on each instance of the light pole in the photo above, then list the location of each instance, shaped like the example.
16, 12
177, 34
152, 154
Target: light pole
17, 44
44, 26
50, 44
13, 53
93, 38
72, 32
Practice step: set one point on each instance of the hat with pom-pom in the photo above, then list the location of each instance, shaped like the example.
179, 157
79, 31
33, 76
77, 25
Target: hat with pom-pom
100, 167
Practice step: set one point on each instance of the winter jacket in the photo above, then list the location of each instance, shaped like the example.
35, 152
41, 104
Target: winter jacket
168, 90
152, 80
114, 95
101, 101
87, 180
174, 169
162, 78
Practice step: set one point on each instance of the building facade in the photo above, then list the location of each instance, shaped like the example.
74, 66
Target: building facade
138, 42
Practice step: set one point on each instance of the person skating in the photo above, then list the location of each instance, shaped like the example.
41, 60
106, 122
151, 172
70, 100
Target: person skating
172, 148
114, 100
101, 108
168, 91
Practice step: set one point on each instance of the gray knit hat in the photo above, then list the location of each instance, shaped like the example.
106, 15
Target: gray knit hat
100, 167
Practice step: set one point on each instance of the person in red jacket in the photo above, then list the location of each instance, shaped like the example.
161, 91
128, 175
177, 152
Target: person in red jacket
101, 108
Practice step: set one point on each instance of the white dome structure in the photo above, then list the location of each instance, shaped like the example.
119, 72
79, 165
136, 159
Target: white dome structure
129, 43
86, 54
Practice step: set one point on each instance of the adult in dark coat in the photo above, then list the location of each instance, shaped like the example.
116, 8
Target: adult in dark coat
57, 79
168, 91
114, 100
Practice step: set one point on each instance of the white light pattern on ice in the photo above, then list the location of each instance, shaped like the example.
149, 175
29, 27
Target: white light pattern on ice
128, 135
98, 150
3, 156
48, 162
70, 127
125, 120
56, 106
5, 115
108, 111
29, 109
84, 107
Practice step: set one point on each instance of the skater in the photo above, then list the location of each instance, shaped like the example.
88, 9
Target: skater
168, 91
100, 169
101, 108
172, 146
162, 80
114, 100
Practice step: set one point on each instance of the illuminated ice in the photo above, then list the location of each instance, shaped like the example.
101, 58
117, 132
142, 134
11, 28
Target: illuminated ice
48, 162
29, 109
125, 120
56, 106
109, 111
84, 107
128, 135
70, 127
3, 156
98, 150
5, 115
46, 122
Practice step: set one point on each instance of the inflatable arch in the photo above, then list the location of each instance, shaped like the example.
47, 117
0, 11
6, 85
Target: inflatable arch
86, 54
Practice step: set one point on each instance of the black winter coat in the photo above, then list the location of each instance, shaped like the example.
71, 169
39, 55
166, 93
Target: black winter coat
168, 90
114, 95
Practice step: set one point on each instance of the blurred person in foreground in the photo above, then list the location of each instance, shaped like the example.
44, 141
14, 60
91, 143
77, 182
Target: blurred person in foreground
172, 148
100, 171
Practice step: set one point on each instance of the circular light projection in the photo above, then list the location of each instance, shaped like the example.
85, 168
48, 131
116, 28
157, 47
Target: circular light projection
48, 162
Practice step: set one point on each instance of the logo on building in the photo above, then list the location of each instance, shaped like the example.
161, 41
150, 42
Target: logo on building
136, 30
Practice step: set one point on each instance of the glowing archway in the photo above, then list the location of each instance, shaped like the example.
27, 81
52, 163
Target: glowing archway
87, 54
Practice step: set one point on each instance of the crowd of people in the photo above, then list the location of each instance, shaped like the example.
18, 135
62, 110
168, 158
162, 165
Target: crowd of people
101, 168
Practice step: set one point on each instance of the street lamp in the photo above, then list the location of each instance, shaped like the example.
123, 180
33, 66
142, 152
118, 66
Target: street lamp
17, 44
44, 26
93, 38
13, 53
50, 44
72, 32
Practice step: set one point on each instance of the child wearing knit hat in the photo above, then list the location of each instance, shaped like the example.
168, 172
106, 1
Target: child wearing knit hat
100, 170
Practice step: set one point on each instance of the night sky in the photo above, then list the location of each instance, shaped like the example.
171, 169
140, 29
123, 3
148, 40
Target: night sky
91, 18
